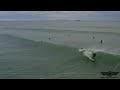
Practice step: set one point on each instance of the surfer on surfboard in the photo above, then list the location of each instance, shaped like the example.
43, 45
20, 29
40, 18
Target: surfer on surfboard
94, 54
89, 54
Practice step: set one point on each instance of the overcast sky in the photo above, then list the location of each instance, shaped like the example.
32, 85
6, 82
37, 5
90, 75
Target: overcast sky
60, 15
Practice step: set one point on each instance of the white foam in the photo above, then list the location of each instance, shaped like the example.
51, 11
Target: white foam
87, 53
104, 50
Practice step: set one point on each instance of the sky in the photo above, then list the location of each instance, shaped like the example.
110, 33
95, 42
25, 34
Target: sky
59, 15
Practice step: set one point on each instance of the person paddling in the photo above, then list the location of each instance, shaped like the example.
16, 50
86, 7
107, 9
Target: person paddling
101, 41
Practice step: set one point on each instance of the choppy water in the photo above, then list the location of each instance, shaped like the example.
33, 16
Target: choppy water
27, 52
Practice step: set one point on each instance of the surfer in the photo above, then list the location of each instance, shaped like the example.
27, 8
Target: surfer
93, 37
49, 38
90, 54
101, 41
93, 55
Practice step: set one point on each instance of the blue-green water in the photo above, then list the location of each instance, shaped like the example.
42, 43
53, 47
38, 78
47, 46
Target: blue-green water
27, 52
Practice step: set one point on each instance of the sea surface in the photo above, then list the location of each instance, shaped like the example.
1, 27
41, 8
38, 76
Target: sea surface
49, 49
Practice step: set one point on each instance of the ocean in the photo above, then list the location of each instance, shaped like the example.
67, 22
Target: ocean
49, 49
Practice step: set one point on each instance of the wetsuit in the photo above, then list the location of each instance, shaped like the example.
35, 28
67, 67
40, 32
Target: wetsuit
94, 55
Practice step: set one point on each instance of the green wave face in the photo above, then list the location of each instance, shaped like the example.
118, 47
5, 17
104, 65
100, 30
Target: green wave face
23, 58
49, 49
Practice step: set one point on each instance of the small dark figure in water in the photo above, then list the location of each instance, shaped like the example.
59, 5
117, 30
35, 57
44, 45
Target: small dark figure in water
49, 38
101, 41
93, 37
41, 41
